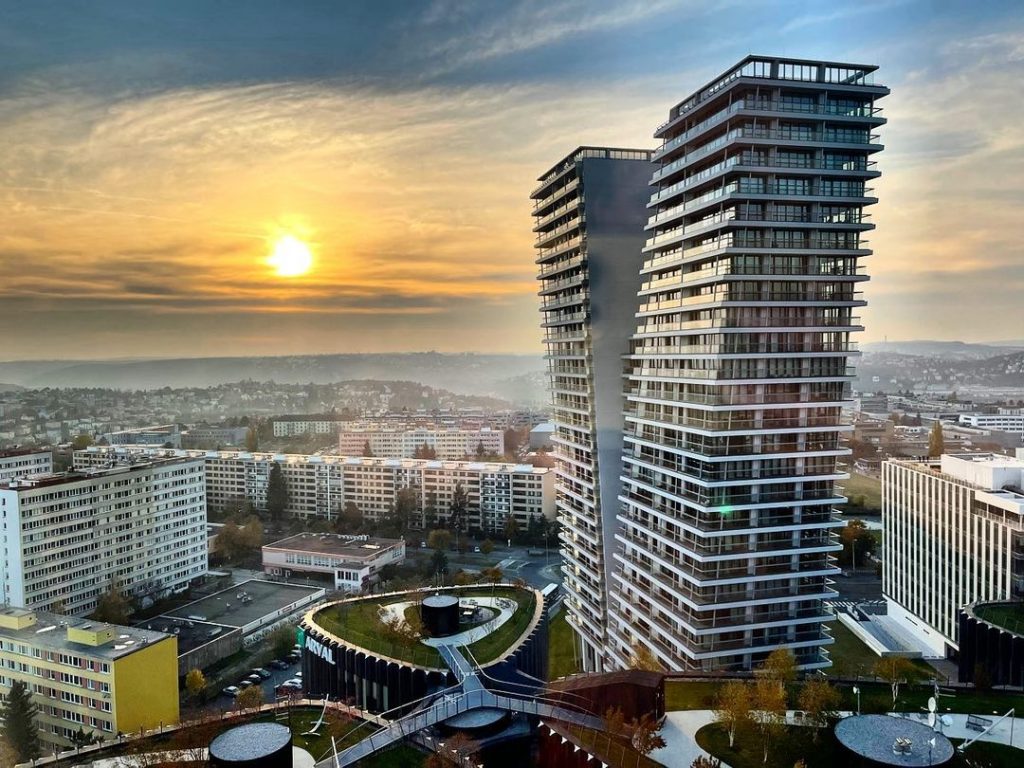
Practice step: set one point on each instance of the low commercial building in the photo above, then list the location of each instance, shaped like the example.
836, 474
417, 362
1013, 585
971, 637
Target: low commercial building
102, 678
20, 463
397, 442
351, 562
69, 536
207, 436
168, 435
322, 486
953, 535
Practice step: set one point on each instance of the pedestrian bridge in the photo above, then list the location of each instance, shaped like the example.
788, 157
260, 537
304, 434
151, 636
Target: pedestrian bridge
468, 695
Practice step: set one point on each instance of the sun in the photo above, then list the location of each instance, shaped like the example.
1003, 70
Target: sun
291, 257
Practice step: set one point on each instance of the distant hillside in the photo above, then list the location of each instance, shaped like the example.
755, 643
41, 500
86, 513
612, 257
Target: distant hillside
900, 371
484, 375
950, 350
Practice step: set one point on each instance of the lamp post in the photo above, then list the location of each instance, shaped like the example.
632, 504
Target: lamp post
856, 690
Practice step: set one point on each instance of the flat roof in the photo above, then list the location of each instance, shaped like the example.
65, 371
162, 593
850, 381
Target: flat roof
30, 482
352, 547
229, 608
51, 631
191, 634
582, 152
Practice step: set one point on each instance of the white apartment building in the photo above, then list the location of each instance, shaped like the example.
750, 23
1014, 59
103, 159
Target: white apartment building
20, 463
1007, 420
953, 534
403, 442
321, 486
296, 426
67, 536
738, 371
161, 434
351, 562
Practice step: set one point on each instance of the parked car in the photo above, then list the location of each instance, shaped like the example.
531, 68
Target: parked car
278, 664
295, 656
231, 691
293, 683
264, 674
476, 549
298, 675
243, 684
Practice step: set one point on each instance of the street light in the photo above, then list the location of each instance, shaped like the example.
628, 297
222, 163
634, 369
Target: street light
856, 690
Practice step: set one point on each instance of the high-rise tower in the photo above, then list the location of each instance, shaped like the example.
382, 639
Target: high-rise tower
739, 369
589, 217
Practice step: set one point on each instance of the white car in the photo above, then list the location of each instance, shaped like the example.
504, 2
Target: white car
231, 690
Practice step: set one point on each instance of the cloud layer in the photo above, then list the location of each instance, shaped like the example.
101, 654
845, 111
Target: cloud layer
141, 190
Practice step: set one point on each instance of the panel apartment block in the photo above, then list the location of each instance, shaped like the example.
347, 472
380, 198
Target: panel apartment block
321, 486
19, 463
589, 213
100, 678
67, 536
739, 366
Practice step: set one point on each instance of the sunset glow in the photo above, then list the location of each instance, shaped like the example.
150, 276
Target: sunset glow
291, 257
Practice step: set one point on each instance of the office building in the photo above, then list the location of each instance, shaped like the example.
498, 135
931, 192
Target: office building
588, 216
350, 563
1006, 420
307, 424
68, 536
16, 463
953, 534
738, 370
213, 436
101, 678
321, 486
398, 442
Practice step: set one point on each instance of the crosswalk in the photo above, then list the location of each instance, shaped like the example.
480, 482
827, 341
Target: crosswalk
847, 606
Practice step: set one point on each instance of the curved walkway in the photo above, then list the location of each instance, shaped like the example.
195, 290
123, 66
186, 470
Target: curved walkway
503, 605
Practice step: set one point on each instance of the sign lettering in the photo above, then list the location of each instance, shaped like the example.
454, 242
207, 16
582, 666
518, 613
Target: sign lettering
319, 649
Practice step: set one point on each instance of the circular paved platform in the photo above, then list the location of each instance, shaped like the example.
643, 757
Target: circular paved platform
874, 737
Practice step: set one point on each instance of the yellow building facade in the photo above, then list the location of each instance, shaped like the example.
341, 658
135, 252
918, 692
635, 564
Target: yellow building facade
100, 678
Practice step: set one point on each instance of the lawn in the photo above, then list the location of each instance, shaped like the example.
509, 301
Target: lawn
866, 489
683, 694
850, 656
1006, 615
561, 648
358, 623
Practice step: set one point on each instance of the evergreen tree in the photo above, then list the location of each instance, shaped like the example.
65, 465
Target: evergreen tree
367, 450
252, 440
18, 715
277, 493
458, 511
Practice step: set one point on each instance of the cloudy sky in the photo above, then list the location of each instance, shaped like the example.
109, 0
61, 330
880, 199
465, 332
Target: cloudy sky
151, 152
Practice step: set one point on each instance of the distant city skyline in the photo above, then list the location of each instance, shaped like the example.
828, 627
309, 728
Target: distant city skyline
153, 156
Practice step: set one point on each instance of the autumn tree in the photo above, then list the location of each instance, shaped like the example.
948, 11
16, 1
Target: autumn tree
18, 715
646, 734
281, 640
252, 440
732, 707
511, 528
897, 671
706, 761
769, 711
367, 450
250, 698
8, 755
614, 721
113, 607
439, 539
780, 667
857, 542
195, 683
936, 440
819, 700
405, 508
348, 519
487, 546
641, 657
